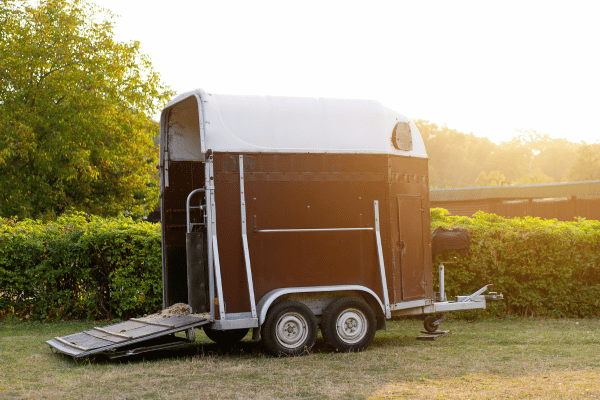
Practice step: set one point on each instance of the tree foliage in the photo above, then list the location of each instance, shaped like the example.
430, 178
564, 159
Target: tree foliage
75, 113
493, 178
457, 159
537, 177
454, 157
586, 166
556, 158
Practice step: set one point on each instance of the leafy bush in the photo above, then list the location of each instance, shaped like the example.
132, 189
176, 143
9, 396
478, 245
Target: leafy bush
543, 267
91, 267
79, 267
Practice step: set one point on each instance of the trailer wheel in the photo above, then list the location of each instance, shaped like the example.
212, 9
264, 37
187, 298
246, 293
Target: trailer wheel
228, 337
349, 324
290, 329
428, 323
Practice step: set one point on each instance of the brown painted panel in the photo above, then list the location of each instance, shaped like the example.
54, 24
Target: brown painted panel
231, 253
292, 259
314, 258
410, 231
411, 248
298, 191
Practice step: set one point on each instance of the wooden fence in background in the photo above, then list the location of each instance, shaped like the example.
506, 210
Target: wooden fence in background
563, 201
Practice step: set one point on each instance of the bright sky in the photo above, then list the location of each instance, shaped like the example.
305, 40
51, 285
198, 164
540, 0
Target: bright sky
476, 66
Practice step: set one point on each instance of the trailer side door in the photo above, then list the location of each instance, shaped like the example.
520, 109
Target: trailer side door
411, 282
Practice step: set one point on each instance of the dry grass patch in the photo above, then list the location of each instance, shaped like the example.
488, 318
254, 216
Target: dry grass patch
554, 385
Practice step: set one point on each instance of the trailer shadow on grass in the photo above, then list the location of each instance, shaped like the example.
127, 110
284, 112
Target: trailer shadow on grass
242, 350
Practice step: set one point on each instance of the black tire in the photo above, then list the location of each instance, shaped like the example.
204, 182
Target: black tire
349, 324
428, 323
229, 337
290, 329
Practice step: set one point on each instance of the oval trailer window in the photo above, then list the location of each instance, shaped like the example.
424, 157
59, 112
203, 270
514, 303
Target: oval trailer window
402, 136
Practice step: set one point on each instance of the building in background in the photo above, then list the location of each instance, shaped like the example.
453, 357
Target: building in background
563, 201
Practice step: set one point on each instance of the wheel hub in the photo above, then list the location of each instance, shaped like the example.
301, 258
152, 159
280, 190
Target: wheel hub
292, 330
351, 325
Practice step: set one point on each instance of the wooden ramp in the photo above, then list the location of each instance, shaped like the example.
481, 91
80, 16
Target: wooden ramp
148, 333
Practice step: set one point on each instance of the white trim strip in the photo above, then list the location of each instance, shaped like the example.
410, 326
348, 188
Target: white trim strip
71, 344
113, 333
313, 230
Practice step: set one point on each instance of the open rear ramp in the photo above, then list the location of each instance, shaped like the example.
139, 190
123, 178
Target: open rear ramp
134, 336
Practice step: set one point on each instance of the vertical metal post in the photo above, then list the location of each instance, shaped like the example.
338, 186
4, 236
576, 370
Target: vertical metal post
209, 187
442, 290
164, 155
386, 297
209, 249
245, 239
214, 246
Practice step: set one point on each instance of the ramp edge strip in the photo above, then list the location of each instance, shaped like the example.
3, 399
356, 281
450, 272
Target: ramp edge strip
150, 322
113, 333
63, 341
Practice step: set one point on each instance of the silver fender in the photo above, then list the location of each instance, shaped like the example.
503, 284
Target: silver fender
263, 305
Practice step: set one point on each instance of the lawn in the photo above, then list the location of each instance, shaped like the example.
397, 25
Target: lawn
485, 359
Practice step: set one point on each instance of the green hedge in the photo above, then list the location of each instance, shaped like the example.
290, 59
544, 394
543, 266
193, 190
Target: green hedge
79, 267
543, 267
90, 267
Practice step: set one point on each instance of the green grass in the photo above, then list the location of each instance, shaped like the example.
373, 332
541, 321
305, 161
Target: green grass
510, 358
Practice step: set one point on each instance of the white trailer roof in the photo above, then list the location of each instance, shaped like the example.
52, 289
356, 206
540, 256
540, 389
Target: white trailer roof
288, 124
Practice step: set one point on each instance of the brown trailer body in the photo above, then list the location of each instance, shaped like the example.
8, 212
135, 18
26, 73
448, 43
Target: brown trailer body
308, 191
